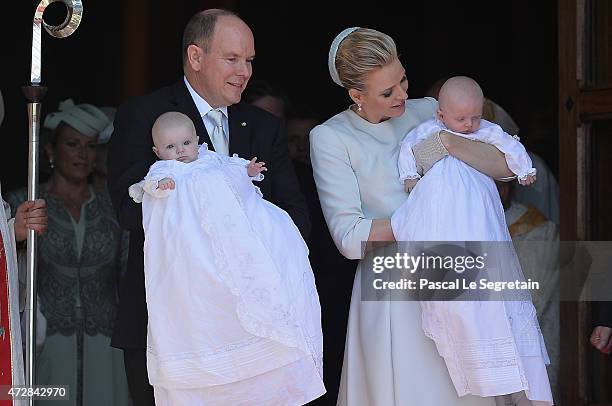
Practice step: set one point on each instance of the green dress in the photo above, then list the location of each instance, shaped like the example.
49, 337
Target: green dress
79, 265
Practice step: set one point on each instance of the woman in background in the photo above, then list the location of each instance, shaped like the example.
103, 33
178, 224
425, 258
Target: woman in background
80, 259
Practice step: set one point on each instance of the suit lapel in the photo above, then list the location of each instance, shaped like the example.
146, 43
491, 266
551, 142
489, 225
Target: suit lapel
240, 132
183, 103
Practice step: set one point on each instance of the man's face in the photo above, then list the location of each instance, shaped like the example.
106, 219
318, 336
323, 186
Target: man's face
221, 74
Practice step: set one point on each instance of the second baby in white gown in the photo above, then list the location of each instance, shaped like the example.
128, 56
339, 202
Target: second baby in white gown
491, 348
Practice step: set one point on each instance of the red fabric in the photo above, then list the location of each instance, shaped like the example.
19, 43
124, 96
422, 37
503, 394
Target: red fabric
6, 363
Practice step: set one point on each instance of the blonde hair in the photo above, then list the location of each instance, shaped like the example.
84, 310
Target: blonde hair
361, 52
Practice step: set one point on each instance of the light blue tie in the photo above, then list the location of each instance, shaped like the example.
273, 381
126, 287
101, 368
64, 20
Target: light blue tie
218, 137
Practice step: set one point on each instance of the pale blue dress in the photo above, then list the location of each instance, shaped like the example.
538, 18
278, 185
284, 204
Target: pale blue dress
388, 361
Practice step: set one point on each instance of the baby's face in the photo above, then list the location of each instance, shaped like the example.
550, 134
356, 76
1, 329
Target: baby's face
461, 117
180, 144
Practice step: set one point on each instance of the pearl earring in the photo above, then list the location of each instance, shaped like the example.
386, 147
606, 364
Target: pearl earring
51, 163
358, 107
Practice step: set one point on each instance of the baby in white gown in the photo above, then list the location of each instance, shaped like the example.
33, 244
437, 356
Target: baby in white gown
491, 348
233, 311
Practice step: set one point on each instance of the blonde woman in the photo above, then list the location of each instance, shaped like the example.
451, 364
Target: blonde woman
388, 360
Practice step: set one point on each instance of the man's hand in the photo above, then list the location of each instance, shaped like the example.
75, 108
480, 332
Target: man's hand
528, 180
601, 338
254, 167
166, 183
30, 215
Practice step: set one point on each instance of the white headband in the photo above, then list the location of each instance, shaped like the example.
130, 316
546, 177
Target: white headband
331, 62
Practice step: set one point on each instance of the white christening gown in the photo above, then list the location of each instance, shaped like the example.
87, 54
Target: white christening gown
490, 347
234, 316
388, 361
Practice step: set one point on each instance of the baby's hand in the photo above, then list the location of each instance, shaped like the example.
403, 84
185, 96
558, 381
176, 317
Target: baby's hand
253, 168
166, 183
529, 179
409, 184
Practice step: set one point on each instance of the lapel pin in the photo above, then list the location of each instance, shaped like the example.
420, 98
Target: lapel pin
243, 124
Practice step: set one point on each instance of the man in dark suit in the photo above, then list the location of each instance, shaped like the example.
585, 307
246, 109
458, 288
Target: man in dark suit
218, 49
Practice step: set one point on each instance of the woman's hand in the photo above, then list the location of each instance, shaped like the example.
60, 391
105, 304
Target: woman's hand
381, 230
428, 152
483, 157
409, 184
30, 215
381, 234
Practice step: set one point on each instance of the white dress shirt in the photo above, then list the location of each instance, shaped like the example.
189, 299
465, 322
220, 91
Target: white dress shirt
203, 108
